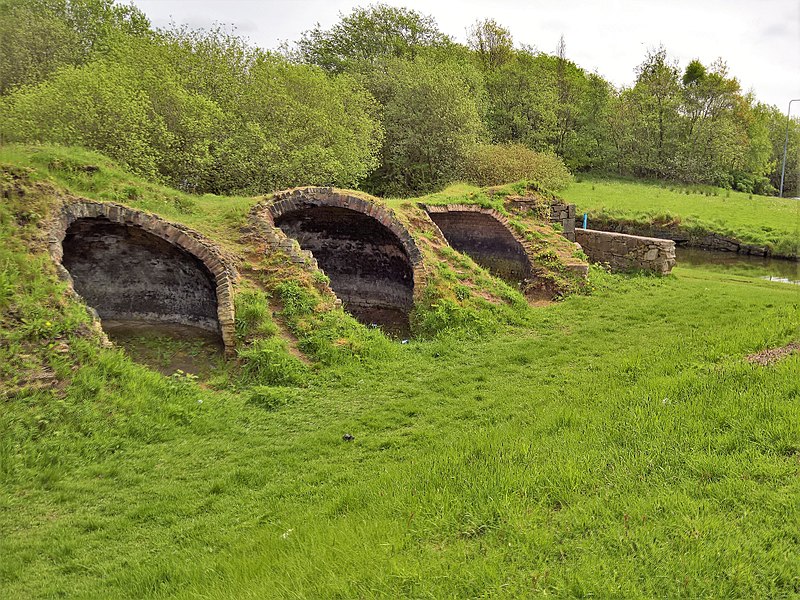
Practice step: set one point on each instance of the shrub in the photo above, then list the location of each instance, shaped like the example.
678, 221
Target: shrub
161, 107
496, 164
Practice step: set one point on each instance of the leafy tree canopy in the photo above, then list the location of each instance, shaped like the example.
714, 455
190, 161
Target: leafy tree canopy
368, 34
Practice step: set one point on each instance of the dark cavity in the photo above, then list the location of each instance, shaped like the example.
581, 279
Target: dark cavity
369, 269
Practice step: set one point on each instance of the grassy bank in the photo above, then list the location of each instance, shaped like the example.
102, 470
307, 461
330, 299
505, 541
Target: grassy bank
754, 220
617, 444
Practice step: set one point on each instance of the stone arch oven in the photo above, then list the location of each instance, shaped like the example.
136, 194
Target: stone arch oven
128, 265
372, 261
485, 235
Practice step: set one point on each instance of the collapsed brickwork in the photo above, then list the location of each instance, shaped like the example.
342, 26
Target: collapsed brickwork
627, 252
552, 209
130, 265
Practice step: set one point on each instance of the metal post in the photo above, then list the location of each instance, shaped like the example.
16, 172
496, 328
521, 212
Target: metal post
786, 143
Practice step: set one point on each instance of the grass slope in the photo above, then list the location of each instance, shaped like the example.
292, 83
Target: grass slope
756, 220
618, 445
611, 445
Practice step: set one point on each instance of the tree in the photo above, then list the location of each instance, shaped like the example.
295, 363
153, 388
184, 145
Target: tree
431, 113
655, 99
367, 35
39, 36
491, 42
522, 100
714, 137
149, 104
775, 122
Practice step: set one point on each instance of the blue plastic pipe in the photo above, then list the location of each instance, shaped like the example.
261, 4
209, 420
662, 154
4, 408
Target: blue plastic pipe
585, 216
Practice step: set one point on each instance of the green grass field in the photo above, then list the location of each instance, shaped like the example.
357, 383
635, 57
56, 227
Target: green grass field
616, 444
619, 445
758, 220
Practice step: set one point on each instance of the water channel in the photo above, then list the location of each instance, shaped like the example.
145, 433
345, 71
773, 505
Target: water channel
762, 267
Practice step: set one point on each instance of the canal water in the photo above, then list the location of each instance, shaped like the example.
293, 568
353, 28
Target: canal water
762, 267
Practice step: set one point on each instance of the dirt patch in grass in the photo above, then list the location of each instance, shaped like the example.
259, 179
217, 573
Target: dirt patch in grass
772, 355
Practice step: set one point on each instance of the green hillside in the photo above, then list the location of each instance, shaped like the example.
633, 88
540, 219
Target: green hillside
618, 443
752, 219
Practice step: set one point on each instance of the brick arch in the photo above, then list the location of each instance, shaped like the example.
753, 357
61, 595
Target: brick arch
222, 273
369, 255
486, 235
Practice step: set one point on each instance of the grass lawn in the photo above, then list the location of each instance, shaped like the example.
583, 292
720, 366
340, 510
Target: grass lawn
759, 220
617, 445
614, 444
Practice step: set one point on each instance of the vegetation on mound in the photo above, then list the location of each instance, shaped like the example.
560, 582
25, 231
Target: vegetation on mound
755, 220
382, 99
613, 445
498, 164
287, 322
553, 254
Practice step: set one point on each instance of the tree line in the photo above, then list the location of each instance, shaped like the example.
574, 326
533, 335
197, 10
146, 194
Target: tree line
383, 100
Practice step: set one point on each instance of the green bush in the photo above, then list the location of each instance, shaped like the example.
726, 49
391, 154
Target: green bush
204, 114
496, 164
431, 116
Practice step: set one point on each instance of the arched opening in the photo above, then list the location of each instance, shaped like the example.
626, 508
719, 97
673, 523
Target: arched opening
143, 288
487, 240
368, 265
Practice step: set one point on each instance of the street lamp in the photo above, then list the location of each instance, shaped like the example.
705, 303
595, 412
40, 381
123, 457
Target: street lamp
786, 143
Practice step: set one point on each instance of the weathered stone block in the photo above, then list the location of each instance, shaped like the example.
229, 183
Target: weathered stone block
627, 252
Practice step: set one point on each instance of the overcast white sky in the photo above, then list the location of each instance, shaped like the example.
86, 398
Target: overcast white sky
759, 39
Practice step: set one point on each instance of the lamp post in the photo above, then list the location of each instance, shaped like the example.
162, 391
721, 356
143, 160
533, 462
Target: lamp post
786, 143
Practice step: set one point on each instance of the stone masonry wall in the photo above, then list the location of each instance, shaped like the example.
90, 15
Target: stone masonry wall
564, 215
373, 262
627, 252
114, 220
485, 235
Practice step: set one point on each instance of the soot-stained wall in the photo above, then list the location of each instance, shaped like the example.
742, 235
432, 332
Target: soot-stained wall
487, 241
124, 273
369, 269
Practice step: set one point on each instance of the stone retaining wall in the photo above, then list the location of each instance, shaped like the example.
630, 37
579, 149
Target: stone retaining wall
624, 252
486, 236
704, 240
564, 215
373, 263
